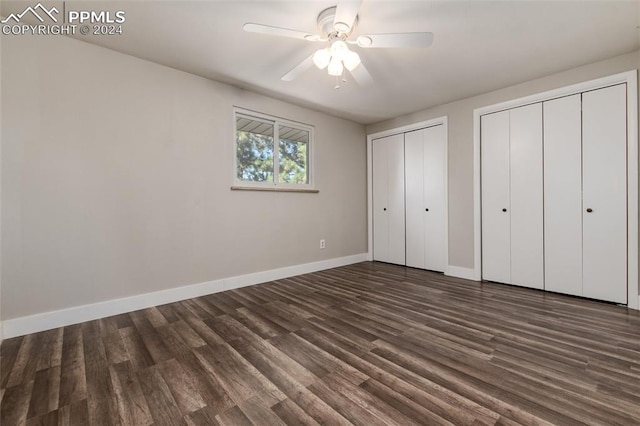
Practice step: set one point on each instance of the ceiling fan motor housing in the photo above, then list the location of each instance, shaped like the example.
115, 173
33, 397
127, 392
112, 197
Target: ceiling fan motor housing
327, 27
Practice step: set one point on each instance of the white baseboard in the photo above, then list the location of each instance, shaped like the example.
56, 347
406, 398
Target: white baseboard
54, 319
460, 272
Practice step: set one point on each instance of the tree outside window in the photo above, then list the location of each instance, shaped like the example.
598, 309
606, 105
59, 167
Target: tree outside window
261, 162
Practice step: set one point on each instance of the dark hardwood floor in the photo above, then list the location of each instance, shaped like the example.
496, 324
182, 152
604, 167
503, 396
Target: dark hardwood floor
365, 344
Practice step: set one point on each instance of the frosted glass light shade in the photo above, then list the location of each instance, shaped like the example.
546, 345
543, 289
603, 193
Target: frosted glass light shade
335, 67
351, 60
339, 49
321, 58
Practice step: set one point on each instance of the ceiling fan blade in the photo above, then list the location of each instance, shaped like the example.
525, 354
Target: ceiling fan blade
361, 75
395, 40
277, 31
346, 13
298, 69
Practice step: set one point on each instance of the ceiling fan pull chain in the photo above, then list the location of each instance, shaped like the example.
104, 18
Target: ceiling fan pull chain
337, 86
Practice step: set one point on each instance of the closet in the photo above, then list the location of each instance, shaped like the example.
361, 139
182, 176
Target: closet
409, 198
554, 195
512, 228
585, 168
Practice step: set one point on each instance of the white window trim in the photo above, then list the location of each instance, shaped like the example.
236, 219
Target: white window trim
239, 184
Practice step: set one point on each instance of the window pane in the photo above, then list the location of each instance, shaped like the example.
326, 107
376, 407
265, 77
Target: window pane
293, 155
254, 149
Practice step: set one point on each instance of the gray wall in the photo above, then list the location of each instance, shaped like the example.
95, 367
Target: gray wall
460, 118
116, 175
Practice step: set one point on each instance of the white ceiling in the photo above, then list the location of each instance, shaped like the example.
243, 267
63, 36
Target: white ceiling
479, 46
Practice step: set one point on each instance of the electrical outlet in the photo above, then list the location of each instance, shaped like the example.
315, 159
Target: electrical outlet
322, 244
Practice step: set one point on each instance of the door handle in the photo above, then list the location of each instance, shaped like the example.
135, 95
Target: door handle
426, 210
385, 209
589, 210
504, 210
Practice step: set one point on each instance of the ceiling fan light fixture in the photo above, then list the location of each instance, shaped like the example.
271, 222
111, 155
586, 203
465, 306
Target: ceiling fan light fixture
351, 60
336, 25
335, 67
322, 58
339, 49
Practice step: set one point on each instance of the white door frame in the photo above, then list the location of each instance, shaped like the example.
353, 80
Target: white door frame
631, 79
405, 129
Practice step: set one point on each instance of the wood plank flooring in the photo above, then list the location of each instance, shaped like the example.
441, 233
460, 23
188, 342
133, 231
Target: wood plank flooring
366, 344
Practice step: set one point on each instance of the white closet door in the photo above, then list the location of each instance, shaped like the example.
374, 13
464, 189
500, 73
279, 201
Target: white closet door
380, 190
527, 251
563, 195
396, 200
425, 157
414, 200
604, 167
435, 158
496, 229
388, 199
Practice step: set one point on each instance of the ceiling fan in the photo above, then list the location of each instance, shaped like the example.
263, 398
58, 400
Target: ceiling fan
336, 26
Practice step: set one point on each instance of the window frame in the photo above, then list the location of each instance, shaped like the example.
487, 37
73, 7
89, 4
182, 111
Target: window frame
275, 185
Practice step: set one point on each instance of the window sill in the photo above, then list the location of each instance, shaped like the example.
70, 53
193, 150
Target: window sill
273, 189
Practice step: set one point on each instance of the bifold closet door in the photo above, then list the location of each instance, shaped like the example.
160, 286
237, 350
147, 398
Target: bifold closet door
526, 183
512, 201
604, 202
563, 195
496, 228
425, 157
388, 200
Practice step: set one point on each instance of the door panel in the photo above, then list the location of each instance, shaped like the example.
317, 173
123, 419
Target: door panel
496, 238
395, 166
380, 189
414, 200
388, 200
435, 157
604, 168
563, 195
527, 255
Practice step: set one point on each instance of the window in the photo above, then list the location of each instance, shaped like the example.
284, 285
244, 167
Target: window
261, 162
